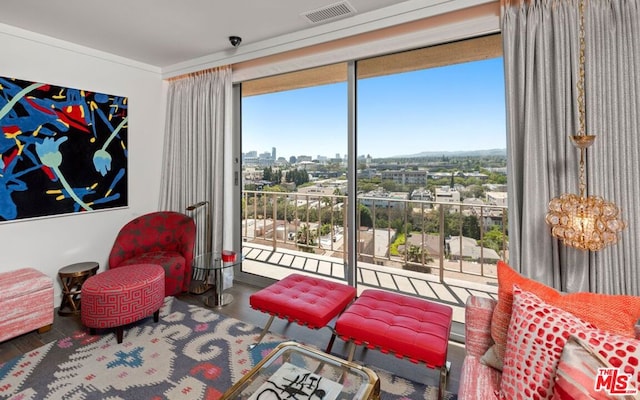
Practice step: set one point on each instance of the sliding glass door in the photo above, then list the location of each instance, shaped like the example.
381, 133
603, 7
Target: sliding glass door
400, 158
431, 164
294, 154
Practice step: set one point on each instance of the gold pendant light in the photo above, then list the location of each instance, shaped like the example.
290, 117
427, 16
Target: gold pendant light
585, 223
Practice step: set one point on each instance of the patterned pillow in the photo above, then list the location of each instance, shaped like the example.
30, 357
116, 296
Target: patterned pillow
537, 334
577, 373
614, 313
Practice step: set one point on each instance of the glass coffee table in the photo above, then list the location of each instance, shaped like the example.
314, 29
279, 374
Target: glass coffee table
296, 371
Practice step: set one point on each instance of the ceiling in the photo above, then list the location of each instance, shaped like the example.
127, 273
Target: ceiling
163, 33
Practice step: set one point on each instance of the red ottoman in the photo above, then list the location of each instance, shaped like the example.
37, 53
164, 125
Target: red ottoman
406, 326
121, 296
307, 300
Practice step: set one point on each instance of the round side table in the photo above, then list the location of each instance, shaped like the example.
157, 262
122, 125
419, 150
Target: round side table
72, 277
212, 268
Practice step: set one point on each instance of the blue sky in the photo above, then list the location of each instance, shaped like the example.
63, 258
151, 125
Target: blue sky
457, 107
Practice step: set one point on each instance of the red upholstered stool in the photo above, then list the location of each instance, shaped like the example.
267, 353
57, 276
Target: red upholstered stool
406, 326
121, 296
307, 300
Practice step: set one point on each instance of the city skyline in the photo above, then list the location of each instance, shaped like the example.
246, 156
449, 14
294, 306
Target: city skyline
425, 154
452, 108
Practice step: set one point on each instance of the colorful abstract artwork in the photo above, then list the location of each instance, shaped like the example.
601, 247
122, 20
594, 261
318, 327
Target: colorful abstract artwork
62, 150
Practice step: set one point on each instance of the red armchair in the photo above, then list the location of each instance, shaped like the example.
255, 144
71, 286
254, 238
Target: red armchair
165, 238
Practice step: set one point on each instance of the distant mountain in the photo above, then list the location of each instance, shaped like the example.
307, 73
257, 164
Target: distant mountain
470, 153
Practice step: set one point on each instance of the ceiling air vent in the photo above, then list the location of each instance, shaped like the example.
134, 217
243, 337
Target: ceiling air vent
330, 12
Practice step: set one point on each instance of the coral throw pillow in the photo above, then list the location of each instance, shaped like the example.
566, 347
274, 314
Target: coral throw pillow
577, 374
538, 332
615, 313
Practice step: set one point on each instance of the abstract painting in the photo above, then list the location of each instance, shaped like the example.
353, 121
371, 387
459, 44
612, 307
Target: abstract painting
62, 150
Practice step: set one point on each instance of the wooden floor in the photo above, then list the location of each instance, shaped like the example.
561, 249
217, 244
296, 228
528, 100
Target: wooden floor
240, 309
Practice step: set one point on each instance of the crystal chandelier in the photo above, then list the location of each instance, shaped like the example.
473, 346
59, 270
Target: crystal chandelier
585, 223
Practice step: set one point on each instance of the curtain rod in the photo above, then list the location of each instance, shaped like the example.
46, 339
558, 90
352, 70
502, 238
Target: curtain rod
197, 73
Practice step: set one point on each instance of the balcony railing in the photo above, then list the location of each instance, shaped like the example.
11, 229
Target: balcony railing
443, 251
418, 235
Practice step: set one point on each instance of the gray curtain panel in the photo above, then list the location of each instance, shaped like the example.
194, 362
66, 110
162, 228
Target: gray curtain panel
541, 57
613, 114
193, 167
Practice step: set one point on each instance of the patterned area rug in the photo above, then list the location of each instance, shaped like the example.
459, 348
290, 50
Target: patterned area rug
192, 353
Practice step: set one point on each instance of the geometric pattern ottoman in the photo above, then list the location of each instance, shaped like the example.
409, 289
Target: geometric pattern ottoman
121, 296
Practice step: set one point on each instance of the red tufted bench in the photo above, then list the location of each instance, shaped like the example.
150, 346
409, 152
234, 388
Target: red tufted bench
121, 296
307, 300
406, 326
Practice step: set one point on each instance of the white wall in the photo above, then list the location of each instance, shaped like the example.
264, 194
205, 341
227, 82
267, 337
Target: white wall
48, 244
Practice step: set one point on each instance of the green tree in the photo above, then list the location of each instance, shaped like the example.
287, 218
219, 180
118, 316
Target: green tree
366, 185
365, 216
306, 235
306, 239
325, 229
325, 201
474, 191
452, 223
285, 212
399, 240
390, 185
274, 188
398, 224
297, 176
471, 227
494, 239
495, 177
431, 221
267, 174
416, 254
